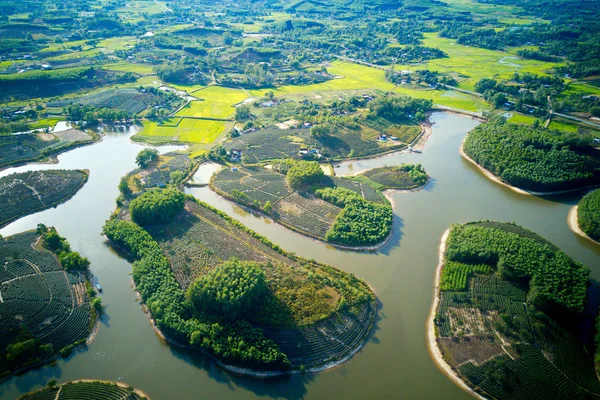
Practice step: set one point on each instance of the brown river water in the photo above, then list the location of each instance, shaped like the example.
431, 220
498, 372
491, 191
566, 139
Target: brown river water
394, 362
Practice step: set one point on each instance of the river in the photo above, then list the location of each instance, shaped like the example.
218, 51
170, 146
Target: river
393, 364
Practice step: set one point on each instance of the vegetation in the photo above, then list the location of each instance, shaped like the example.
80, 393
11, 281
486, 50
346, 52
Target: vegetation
532, 159
36, 287
231, 290
303, 173
402, 177
85, 390
318, 208
211, 237
588, 214
360, 222
156, 206
506, 317
146, 157
28, 192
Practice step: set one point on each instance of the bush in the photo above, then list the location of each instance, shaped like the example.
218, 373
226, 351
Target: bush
156, 206
588, 214
231, 290
304, 173
146, 157
532, 159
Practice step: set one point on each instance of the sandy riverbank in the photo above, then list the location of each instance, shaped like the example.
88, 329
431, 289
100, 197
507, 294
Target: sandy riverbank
574, 224
432, 346
137, 391
494, 178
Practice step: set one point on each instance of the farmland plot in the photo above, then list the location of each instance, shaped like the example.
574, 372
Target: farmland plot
28, 192
40, 298
303, 314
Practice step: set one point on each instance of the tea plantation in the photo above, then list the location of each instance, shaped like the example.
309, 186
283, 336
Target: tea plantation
86, 390
43, 308
28, 192
507, 315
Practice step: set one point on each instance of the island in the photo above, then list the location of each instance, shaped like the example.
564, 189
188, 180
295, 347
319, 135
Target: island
532, 160
584, 218
212, 285
86, 390
40, 146
507, 319
47, 304
296, 193
25, 193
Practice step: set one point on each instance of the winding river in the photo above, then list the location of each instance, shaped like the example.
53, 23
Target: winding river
394, 363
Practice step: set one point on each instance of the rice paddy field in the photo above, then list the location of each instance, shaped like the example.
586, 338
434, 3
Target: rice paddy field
125, 66
476, 63
189, 130
216, 102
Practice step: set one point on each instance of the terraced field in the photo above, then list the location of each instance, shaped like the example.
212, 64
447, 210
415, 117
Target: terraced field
299, 211
28, 192
304, 317
87, 390
502, 344
17, 149
131, 101
272, 143
39, 301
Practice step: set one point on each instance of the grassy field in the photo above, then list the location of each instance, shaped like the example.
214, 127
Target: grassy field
446, 98
353, 77
521, 119
476, 63
184, 130
217, 102
124, 66
44, 123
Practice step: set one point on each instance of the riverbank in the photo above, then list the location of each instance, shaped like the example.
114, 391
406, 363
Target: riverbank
123, 385
248, 371
496, 179
432, 347
573, 223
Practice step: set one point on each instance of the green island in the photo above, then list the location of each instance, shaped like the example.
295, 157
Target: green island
588, 215
48, 305
26, 148
86, 390
507, 315
211, 284
296, 193
401, 177
533, 159
28, 192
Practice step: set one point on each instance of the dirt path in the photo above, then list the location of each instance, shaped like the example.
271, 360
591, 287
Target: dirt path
432, 345
574, 224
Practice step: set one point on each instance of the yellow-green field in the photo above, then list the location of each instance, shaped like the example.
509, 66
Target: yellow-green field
214, 102
521, 119
476, 63
582, 89
562, 126
124, 66
44, 123
187, 130
447, 98
352, 77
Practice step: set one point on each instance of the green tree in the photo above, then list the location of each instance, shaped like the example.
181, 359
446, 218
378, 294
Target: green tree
146, 157
156, 206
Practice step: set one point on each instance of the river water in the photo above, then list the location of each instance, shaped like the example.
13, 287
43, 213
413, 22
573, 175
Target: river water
393, 364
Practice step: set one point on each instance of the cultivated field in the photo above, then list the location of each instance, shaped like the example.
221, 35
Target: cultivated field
28, 192
305, 304
187, 130
40, 298
86, 390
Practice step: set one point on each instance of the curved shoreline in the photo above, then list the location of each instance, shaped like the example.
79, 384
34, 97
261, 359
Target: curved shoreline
432, 347
123, 385
248, 371
494, 178
573, 223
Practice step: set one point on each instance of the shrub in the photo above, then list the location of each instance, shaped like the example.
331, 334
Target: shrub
588, 214
304, 173
156, 206
231, 290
